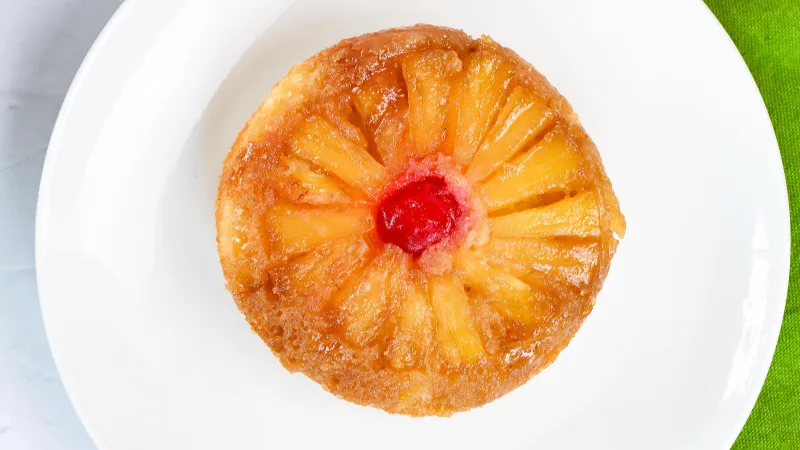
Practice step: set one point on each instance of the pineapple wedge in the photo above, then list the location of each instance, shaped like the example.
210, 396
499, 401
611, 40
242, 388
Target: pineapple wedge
484, 84
321, 143
567, 262
414, 332
377, 96
241, 246
351, 132
551, 165
391, 138
577, 216
458, 340
428, 77
522, 118
294, 229
382, 104
307, 186
510, 295
315, 274
453, 107
364, 302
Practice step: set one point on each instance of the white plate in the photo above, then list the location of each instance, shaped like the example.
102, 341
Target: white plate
155, 355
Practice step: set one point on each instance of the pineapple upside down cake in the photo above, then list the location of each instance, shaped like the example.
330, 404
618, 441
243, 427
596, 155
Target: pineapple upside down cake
416, 220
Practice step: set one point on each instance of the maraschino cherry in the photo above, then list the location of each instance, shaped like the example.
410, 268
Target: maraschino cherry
418, 214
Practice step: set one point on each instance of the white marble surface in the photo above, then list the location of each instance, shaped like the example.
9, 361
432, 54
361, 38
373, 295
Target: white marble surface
42, 43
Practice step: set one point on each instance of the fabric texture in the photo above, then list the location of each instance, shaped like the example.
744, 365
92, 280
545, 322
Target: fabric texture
767, 34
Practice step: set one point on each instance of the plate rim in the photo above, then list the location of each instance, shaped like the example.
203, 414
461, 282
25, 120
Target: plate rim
43, 197
762, 371
100, 45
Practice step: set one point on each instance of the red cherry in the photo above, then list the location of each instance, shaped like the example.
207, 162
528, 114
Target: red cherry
418, 215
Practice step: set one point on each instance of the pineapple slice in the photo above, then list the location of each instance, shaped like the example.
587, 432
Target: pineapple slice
241, 245
377, 96
391, 138
414, 333
315, 274
353, 133
453, 107
365, 300
510, 295
522, 118
551, 165
566, 262
323, 144
557, 289
577, 216
612, 217
485, 82
307, 186
382, 104
458, 340
294, 229
428, 76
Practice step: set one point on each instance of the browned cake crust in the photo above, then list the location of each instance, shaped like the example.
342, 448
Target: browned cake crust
304, 331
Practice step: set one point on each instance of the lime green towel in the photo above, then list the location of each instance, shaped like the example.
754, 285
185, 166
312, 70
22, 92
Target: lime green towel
767, 33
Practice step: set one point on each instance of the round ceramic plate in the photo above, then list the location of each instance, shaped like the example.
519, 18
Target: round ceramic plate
155, 355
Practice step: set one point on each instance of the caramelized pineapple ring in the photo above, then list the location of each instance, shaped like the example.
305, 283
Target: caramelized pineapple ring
415, 220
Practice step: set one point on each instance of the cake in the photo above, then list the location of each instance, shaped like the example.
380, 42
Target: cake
416, 220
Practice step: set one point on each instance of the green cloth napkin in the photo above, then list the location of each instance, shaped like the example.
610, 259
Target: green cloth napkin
767, 33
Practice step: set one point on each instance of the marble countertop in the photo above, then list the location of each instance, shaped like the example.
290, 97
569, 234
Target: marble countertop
42, 44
